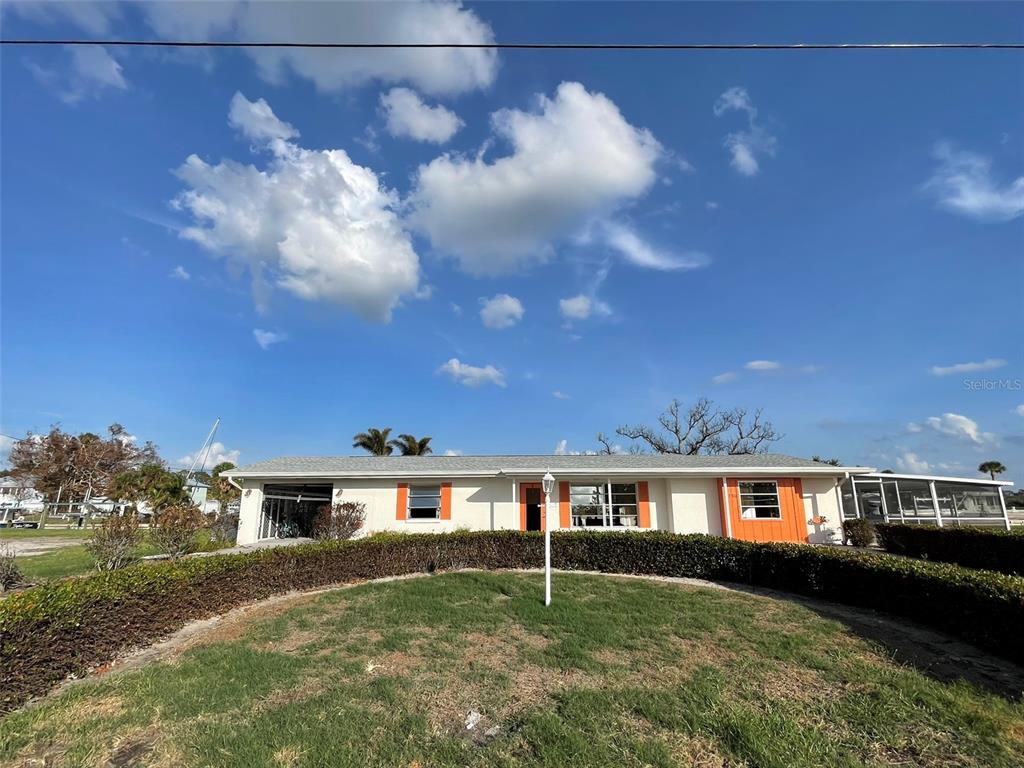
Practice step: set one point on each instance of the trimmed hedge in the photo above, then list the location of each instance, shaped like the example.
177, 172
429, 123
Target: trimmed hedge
1001, 551
67, 627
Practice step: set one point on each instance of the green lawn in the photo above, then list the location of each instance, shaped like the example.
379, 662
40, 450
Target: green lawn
616, 672
76, 560
32, 533
67, 561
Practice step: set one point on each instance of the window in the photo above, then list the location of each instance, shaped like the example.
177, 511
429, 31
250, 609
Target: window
759, 500
424, 502
603, 505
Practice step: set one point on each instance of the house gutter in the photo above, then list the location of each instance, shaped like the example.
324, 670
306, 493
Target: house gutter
574, 472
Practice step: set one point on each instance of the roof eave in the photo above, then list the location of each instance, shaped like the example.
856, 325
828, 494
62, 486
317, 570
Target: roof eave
563, 471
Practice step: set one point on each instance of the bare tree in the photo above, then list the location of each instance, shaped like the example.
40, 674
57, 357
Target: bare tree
82, 465
705, 429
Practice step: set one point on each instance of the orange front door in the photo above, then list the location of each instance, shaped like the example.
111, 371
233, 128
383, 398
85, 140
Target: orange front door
531, 507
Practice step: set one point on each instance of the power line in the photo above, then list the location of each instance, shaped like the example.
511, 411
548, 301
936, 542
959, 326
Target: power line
528, 46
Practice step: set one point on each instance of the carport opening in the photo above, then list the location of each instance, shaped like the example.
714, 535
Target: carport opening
289, 510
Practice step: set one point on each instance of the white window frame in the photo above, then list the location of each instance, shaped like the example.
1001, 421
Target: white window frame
607, 507
776, 505
408, 503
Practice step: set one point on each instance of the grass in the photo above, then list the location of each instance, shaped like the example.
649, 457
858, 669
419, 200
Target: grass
616, 672
33, 533
76, 560
58, 564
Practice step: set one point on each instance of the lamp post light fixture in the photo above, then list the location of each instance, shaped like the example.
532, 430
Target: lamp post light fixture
548, 483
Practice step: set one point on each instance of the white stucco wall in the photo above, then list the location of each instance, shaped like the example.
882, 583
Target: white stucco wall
477, 504
820, 500
695, 506
678, 505
249, 512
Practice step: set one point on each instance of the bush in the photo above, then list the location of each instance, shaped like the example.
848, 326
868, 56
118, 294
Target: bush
1001, 551
859, 533
174, 530
339, 522
10, 574
113, 542
67, 627
223, 530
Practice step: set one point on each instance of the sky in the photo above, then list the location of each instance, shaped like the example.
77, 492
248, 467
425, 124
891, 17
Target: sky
513, 251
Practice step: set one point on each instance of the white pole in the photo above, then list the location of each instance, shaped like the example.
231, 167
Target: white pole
547, 548
1002, 504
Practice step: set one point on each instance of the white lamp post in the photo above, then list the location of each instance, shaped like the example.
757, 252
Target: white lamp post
548, 482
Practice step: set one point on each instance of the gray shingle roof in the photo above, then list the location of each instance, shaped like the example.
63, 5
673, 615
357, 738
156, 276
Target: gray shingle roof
325, 466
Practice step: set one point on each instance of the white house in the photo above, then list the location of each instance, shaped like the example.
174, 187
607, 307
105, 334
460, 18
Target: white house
761, 497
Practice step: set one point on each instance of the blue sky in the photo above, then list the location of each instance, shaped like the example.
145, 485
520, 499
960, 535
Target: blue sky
507, 251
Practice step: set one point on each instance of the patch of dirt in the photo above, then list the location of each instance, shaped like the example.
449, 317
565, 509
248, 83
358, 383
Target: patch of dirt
39, 545
130, 750
687, 749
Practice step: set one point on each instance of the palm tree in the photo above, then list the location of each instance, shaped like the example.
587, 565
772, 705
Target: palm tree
992, 467
374, 441
408, 445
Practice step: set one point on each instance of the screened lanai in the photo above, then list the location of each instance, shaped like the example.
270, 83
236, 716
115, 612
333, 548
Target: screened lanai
924, 499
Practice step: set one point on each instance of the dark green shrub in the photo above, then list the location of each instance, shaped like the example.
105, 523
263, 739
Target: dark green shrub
67, 627
859, 532
992, 550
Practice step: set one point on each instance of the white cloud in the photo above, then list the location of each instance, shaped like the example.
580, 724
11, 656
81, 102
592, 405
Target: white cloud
911, 462
257, 122
1019, 410
762, 365
453, 452
573, 159
723, 378
456, 308
914, 428
637, 251
562, 449
312, 222
434, 71
218, 454
180, 273
95, 18
711, 205
91, 71
961, 427
963, 183
6, 444
988, 364
266, 339
745, 146
501, 311
581, 307
472, 375
560, 395
406, 115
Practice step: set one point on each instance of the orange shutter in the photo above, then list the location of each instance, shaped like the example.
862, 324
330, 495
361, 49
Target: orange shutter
403, 501
446, 501
564, 513
643, 505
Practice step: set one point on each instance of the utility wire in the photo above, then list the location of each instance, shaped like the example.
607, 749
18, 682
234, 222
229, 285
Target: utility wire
532, 46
